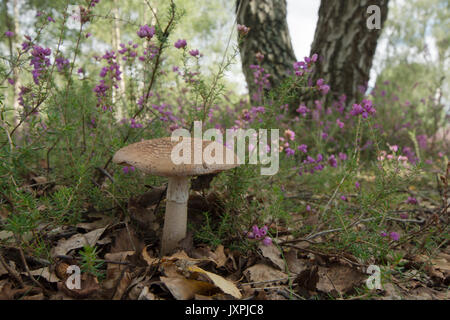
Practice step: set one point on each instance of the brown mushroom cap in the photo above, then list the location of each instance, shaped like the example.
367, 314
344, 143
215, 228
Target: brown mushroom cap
154, 157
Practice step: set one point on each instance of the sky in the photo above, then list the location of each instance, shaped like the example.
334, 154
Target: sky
302, 19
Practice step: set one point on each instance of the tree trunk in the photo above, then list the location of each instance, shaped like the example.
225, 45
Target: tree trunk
269, 35
117, 93
346, 45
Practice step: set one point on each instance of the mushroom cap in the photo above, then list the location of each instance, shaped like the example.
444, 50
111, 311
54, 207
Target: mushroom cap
154, 157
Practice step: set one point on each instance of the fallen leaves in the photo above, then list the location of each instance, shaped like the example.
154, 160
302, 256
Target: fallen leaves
185, 289
226, 286
77, 241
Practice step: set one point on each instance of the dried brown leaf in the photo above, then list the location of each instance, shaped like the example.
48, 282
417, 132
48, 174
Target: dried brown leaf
223, 284
185, 289
77, 241
273, 254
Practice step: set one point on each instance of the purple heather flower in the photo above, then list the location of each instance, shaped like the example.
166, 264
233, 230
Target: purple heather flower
339, 123
250, 235
127, 170
356, 110
146, 32
394, 236
411, 200
302, 109
50, 19
332, 161
357, 185
343, 198
9, 33
303, 148
422, 141
263, 231
243, 30
289, 152
403, 215
194, 53
11, 81
181, 43
267, 241
342, 156
308, 208
324, 89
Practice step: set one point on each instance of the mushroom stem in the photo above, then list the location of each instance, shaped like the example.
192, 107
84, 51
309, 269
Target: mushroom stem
175, 221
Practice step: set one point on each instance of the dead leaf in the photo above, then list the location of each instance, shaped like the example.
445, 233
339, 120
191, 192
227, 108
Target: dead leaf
263, 275
391, 292
308, 279
3, 213
185, 289
117, 278
43, 273
340, 278
77, 241
273, 254
294, 264
425, 293
220, 257
99, 221
442, 262
147, 295
89, 287
223, 284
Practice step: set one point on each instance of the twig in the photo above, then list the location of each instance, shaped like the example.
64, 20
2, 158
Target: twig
11, 272
24, 261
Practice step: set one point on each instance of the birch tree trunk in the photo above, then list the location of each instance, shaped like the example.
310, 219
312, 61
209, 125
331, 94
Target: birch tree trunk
345, 44
269, 35
117, 93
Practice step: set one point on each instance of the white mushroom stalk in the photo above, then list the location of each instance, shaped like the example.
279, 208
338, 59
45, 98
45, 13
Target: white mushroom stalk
175, 221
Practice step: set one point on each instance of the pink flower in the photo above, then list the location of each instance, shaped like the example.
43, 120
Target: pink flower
394, 236
267, 241
243, 30
289, 134
194, 53
393, 148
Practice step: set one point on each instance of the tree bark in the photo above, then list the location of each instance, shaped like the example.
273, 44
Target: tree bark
269, 35
345, 45
117, 93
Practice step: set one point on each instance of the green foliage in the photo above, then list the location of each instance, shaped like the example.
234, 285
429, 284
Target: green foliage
90, 263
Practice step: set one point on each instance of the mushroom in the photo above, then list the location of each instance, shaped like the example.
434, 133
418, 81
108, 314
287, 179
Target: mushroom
155, 157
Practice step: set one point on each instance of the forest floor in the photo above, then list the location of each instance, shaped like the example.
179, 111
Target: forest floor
126, 264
